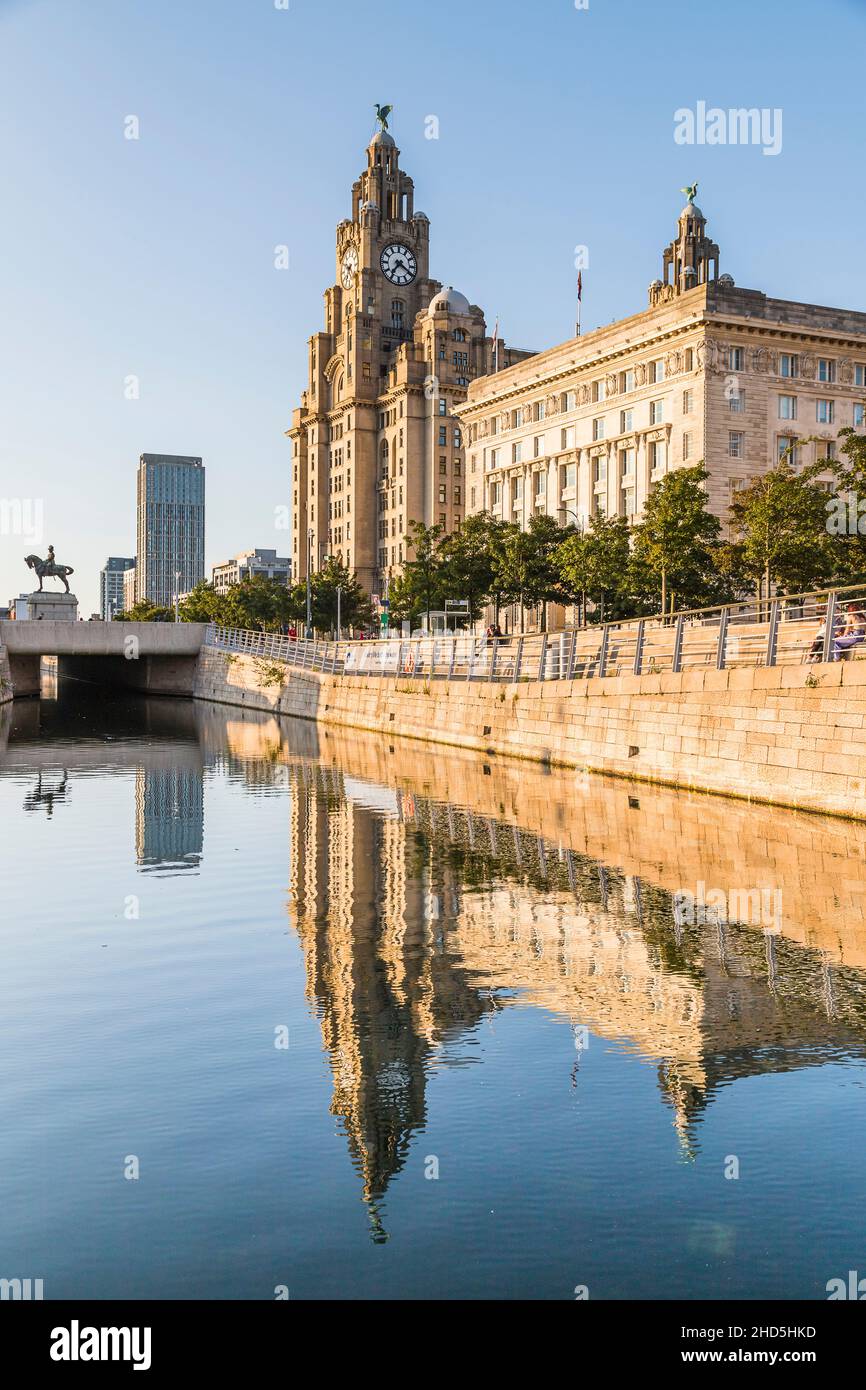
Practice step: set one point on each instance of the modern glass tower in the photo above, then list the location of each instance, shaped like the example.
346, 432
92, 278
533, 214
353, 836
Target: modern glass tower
111, 585
170, 527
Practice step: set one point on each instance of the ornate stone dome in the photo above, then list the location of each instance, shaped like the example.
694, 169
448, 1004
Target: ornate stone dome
383, 138
449, 301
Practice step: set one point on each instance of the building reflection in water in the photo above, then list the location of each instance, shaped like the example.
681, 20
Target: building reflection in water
169, 815
417, 916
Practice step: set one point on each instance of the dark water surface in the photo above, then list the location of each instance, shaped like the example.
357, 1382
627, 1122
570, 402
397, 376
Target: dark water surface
376, 1020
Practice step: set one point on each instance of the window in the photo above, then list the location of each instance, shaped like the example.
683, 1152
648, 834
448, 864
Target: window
626, 462
688, 402
493, 425
598, 427
443, 436
517, 451
397, 313
736, 444
540, 485
443, 520
598, 392
824, 412
443, 406
365, 370
496, 494
687, 445
859, 416
658, 453
495, 457
599, 469
569, 475
826, 369
569, 400
456, 468
656, 371
460, 359
457, 496
443, 494
538, 446
516, 418
788, 442
787, 407
443, 466
626, 421
568, 437
539, 410
689, 360
626, 380
859, 374
459, 336
472, 497
657, 410
737, 400
457, 437
789, 364
736, 359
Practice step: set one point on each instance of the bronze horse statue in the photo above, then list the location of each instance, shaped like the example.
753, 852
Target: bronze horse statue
48, 569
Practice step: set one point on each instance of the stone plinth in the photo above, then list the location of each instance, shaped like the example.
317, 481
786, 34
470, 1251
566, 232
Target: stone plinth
52, 608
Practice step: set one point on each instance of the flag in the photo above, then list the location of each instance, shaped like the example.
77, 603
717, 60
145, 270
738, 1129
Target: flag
496, 345
579, 285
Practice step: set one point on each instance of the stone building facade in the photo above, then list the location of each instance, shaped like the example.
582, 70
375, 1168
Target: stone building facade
708, 372
375, 441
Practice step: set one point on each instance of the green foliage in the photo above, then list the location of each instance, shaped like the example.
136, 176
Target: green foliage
675, 543
780, 525
146, 612
594, 566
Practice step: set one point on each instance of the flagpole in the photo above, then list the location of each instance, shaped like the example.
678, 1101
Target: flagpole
579, 295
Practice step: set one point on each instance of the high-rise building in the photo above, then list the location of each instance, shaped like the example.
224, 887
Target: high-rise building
170, 527
111, 586
707, 372
375, 444
129, 589
251, 564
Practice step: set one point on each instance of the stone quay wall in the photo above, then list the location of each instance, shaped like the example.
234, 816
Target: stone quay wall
786, 735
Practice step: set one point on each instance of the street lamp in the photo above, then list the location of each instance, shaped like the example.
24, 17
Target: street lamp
339, 596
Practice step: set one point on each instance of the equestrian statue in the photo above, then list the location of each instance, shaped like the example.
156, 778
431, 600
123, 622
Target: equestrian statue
48, 568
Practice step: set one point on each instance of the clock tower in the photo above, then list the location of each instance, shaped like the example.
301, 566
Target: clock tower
374, 446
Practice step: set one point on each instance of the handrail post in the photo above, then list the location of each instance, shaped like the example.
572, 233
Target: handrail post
722, 648
542, 660
677, 655
638, 647
602, 649
572, 656
492, 674
453, 657
471, 662
773, 632
829, 625
518, 661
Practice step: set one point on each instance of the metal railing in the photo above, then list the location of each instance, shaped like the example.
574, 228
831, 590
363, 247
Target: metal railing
829, 625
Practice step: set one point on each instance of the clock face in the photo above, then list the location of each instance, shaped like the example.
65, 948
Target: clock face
350, 267
398, 264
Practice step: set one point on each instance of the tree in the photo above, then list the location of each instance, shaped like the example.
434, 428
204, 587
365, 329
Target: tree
260, 603
467, 562
780, 524
203, 605
594, 563
526, 565
146, 612
675, 540
355, 606
418, 590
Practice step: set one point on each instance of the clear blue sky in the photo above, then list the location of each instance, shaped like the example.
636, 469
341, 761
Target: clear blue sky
155, 257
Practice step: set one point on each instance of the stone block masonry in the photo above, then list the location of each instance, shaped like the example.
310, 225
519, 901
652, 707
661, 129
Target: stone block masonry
788, 736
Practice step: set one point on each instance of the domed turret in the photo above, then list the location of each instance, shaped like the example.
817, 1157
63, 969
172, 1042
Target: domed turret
449, 301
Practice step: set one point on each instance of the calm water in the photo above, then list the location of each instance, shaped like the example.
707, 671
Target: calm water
509, 1071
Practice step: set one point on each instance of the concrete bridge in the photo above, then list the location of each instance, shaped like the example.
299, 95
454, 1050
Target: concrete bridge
155, 658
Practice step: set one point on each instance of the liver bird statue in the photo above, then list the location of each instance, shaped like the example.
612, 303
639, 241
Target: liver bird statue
382, 114
690, 191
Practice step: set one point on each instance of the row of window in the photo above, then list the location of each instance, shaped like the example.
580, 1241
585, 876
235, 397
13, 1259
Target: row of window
825, 410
